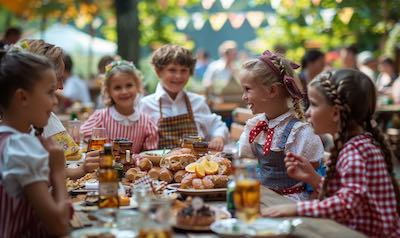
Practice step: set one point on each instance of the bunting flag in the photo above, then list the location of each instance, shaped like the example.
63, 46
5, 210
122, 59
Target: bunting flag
198, 20
207, 4
255, 18
218, 20
346, 14
236, 19
227, 3
182, 22
327, 16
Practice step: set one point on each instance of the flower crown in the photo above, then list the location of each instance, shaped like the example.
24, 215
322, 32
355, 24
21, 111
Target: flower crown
117, 63
22, 46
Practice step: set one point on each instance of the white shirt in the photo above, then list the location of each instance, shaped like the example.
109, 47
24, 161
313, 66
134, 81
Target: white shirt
217, 75
209, 125
54, 126
23, 161
76, 89
301, 141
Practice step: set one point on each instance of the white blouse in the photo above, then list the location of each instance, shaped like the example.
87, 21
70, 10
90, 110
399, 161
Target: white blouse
23, 161
54, 126
209, 125
302, 140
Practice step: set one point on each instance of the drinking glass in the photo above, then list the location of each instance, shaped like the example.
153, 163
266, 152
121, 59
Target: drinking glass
247, 191
73, 128
99, 138
156, 220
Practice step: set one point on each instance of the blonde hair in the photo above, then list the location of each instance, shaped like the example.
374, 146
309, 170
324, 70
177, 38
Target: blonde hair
39, 47
137, 77
266, 76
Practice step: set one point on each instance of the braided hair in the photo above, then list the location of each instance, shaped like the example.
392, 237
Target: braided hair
344, 88
266, 76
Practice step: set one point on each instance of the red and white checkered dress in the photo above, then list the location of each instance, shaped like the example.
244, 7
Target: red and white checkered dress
363, 195
143, 132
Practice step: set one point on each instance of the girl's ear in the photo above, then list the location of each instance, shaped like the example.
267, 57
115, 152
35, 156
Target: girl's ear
21, 96
335, 114
272, 91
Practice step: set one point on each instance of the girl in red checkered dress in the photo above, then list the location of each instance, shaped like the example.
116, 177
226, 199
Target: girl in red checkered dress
33, 195
122, 117
359, 190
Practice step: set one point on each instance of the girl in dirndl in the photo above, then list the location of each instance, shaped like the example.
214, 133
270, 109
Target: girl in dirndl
179, 113
271, 92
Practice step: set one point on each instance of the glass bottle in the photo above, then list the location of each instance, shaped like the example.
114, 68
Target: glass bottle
108, 180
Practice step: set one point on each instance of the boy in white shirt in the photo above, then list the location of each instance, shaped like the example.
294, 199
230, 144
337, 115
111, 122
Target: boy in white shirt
177, 112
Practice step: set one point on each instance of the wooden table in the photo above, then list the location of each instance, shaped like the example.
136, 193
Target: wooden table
310, 228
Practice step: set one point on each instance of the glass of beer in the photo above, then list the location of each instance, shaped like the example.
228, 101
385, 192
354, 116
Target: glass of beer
246, 195
99, 138
156, 219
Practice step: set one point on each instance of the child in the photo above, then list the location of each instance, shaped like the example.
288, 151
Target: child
269, 87
54, 128
179, 113
360, 190
121, 118
29, 164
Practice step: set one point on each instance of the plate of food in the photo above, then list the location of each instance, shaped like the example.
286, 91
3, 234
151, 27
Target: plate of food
94, 232
262, 227
194, 215
89, 203
195, 192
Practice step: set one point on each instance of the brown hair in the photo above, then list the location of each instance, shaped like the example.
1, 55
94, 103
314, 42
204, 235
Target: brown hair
120, 68
345, 88
54, 53
173, 54
265, 75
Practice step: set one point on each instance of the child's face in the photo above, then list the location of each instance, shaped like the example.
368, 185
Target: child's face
122, 89
323, 117
42, 99
256, 95
174, 77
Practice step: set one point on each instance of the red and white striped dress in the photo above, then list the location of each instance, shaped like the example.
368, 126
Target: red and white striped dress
143, 133
17, 218
363, 196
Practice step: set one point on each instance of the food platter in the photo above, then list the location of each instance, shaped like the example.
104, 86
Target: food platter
80, 206
215, 193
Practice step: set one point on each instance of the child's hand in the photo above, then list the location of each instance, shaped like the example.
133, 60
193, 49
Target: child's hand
91, 162
301, 169
56, 154
286, 210
216, 144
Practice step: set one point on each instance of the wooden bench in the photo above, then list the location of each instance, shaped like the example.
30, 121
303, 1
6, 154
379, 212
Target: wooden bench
240, 116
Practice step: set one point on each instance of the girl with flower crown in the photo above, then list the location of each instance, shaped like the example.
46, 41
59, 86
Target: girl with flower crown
271, 92
121, 118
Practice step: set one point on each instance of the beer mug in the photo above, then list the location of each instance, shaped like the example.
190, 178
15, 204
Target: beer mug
99, 138
156, 219
247, 191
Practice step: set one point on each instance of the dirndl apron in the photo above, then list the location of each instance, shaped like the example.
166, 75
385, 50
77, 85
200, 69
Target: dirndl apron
172, 129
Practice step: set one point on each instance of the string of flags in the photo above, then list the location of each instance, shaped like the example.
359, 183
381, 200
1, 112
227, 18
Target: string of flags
255, 18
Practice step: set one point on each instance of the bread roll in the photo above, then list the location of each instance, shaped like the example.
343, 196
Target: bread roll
166, 175
145, 164
131, 173
178, 176
154, 173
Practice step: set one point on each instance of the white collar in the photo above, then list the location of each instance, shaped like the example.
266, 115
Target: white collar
161, 93
5, 128
126, 120
276, 121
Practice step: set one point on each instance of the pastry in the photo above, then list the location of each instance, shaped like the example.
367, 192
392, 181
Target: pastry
166, 175
178, 176
124, 200
177, 162
187, 180
154, 173
220, 181
197, 183
145, 164
196, 214
131, 174
140, 174
154, 158
207, 182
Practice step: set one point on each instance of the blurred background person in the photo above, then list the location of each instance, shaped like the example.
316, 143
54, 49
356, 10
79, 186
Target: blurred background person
202, 62
368, 64
219, 72
96, 84
387, 74
11, 36
75, 89
348, 56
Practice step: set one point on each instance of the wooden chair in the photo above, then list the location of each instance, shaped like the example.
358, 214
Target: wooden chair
240, 116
